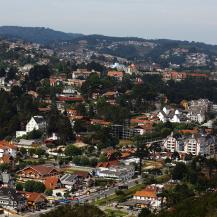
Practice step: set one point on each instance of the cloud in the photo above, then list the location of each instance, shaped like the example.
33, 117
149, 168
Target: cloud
178, 19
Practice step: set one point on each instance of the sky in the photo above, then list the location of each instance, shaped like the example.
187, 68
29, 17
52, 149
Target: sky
193, 20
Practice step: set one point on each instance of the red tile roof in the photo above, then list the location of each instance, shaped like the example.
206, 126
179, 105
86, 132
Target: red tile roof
147, 192
108, 164
6, 144
115, 74
42, 169
82, 174
51, 182
69, 98
6, 158
34, 197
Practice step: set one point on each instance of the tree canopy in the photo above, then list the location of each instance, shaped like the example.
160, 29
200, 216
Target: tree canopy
76, 211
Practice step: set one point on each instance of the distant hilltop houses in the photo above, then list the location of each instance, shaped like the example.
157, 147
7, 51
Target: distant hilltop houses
179, 76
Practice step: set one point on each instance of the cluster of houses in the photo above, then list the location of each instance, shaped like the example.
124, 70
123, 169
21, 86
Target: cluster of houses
179, 76
192, 142
53, 178
194, 111
56, 179
149, 197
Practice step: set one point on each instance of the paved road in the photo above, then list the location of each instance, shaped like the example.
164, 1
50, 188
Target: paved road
107, 192
88, 198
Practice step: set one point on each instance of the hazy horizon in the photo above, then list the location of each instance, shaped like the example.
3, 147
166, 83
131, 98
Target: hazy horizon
151, 19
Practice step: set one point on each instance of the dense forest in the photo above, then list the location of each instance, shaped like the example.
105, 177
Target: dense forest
76, 211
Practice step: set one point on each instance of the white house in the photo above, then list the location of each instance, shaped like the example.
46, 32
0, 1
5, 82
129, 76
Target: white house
196, 116
35, 123
202, 144
131, 161
171, 143
27, 144
150, 195
2, 81
171, 115
192, 146
123, 173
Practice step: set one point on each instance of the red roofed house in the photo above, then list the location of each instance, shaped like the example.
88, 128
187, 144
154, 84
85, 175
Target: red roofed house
7, 148
7, 159
116, 74
198, 75
178, 76
108, 164
70, 98
100, 122
82, 175
37, 172
150, 195
35, 200
52, 182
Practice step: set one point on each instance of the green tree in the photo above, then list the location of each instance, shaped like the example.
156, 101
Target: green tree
141, 151
71, 151
103, 158
19, 187
145, 212
33, 186
180, 171
48, 192
23, 150
29, 186
40, 152
85, 210
31, 151
39, 187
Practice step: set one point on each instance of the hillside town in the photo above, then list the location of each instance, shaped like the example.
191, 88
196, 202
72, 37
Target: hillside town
75, 130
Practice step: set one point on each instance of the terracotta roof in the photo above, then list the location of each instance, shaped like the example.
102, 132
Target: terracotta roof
110, 93
47, 109
194, 131
100, 122
147, 192
115, 74
33, 196
42, 169
108, 164
197, 75
51, 182
6, 158
68, 98
82, 174
6, 144
126, 154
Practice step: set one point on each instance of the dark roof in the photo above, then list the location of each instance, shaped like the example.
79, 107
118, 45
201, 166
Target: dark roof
11, 193
39, 119
68, 179
82, 174
42, 169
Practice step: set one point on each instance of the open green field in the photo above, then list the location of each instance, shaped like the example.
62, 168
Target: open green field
116, 213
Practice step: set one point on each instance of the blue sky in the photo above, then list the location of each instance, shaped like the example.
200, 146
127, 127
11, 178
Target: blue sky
194, 20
